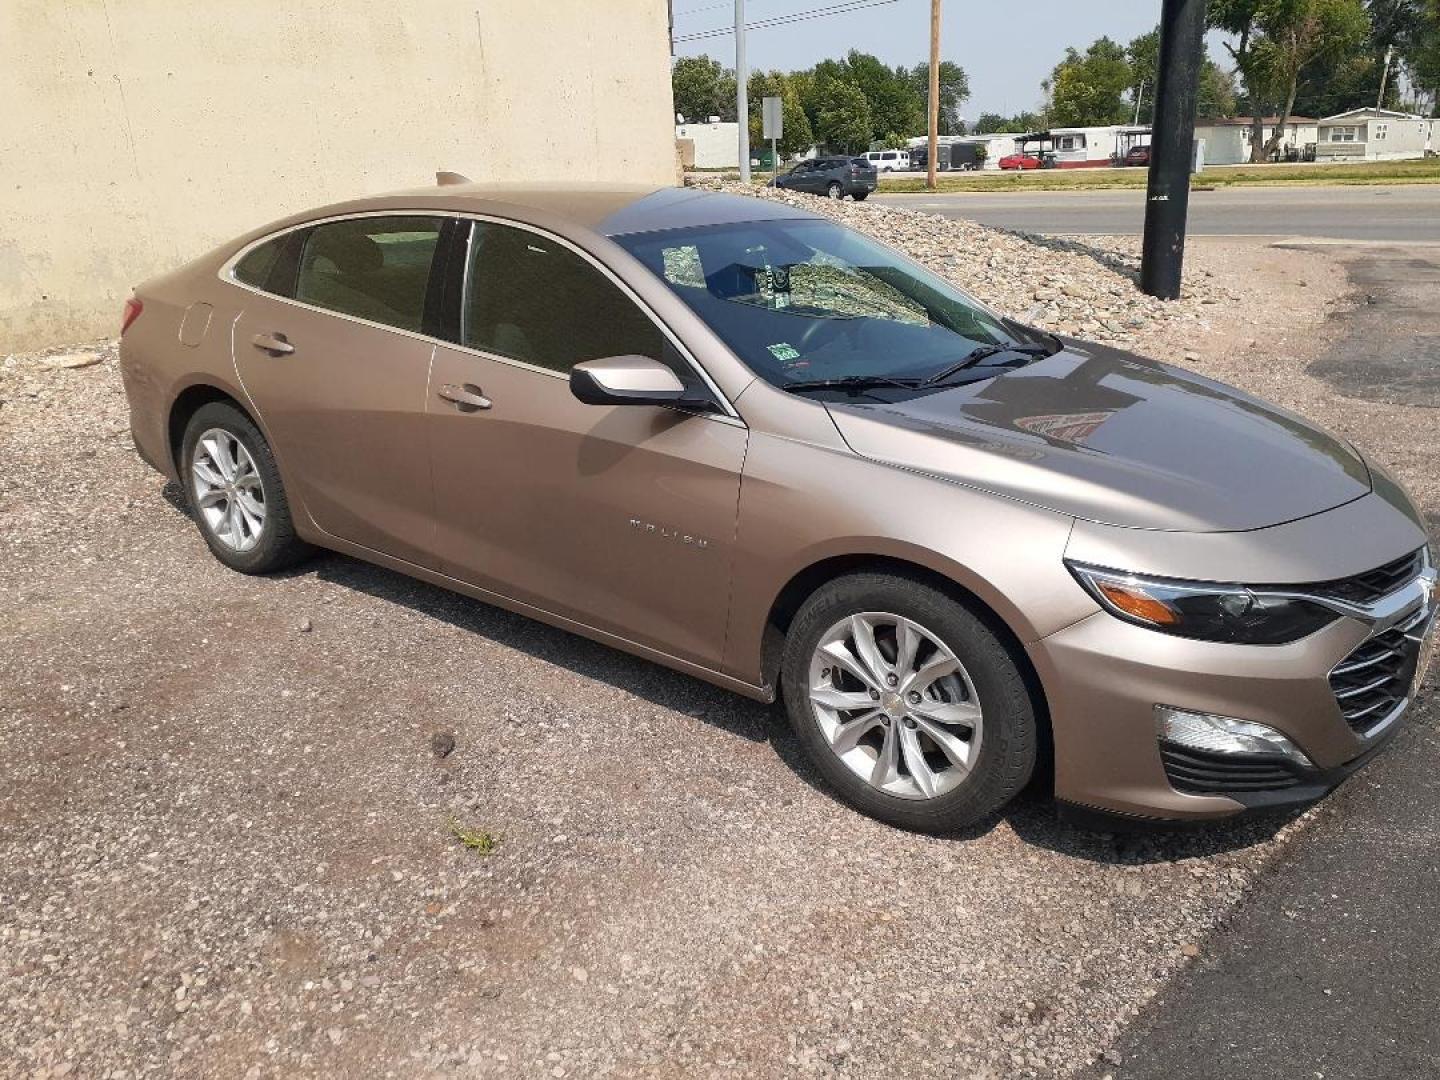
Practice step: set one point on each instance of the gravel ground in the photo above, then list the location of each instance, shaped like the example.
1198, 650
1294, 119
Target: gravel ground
228, 806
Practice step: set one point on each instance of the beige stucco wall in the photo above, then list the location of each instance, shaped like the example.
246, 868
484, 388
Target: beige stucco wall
135, 134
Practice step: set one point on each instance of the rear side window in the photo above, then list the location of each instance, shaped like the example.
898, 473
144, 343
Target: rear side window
533, 299
375, 268
255, 268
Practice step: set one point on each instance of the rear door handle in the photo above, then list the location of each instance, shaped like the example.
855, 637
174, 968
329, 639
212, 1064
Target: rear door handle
275, 344
467, 398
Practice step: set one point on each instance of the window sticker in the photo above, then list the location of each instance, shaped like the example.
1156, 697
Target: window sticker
784, 352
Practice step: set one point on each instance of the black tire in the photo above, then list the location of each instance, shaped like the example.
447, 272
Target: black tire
834, 190
277, 546
860, 196
1008, 744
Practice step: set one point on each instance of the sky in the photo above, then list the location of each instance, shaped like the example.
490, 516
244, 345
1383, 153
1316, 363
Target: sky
1006, 46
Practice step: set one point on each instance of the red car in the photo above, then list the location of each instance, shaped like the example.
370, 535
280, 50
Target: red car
1137, 155
1020, 160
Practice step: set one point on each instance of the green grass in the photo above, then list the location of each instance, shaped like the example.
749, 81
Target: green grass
477, 840
1419, 171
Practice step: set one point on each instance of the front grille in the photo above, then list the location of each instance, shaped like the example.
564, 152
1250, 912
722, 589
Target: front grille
1375, 678
1370, 586
1202, 772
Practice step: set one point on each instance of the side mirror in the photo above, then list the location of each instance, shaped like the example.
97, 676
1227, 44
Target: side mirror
628, 380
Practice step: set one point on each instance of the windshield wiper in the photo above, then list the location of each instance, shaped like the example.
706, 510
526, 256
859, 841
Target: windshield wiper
850, 382
982, 352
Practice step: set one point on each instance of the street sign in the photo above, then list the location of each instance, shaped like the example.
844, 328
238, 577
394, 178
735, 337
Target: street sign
771, 121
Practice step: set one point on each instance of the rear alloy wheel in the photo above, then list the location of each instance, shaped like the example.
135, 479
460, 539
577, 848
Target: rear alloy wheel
835, 191
233, 486
227, 490
908, 703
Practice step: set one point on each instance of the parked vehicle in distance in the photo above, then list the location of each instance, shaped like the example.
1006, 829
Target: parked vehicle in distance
748, 443
1021, 160
889, 160
834, 177
1137, 155
957, 157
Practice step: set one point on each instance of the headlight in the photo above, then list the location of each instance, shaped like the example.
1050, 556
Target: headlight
1202, 610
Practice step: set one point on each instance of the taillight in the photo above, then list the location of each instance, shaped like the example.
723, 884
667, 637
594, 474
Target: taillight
133, 307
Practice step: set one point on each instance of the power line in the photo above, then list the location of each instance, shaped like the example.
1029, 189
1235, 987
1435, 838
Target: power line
782, 20
708, 7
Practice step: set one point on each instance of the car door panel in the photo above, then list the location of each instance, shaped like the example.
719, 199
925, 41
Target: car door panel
620, 517
346, 410
342, 395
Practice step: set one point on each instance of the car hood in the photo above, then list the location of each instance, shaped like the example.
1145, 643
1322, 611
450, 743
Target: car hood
1115, 438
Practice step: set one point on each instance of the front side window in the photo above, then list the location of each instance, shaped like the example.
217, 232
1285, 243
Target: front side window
533, 299
375, 268
799, 300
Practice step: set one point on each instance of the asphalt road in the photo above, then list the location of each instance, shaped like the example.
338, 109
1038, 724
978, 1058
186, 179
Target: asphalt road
1332, 967
1405, 213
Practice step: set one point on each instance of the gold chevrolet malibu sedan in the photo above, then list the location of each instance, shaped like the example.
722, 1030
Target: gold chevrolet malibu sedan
752, 445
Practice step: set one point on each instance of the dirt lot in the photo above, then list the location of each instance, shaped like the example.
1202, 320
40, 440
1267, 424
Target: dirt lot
226, 813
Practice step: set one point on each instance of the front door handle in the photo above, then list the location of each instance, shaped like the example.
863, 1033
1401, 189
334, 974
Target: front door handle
467, 398
275, 344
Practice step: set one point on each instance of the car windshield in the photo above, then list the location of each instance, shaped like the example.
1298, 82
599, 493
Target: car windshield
801, 300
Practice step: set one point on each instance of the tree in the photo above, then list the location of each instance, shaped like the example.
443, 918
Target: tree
1238, 17
1088, 89
842, 115
896, 111
1279, 40
1143, 53
1422, 52
1398, 25
954, 90
989, 123
1298, 33
795, 124
702, 88
1216, 95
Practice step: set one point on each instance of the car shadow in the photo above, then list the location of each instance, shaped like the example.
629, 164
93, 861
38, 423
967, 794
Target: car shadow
1034, 815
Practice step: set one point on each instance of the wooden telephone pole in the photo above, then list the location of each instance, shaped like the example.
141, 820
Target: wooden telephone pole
934, 143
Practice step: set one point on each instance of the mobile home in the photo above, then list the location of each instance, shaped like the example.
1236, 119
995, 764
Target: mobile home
1094, 147
1375, 135
1227, 140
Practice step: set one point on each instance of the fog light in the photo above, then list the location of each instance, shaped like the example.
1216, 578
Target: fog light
1224, 735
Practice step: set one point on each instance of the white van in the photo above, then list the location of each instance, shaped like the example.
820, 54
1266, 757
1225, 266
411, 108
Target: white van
889, 160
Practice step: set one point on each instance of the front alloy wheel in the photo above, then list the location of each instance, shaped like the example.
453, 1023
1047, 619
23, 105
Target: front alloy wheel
896, 705
907, 701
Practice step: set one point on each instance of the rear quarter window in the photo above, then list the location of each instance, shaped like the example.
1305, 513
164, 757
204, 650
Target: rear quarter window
256, 267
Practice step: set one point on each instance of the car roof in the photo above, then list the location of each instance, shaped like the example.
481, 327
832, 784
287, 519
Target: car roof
606, 208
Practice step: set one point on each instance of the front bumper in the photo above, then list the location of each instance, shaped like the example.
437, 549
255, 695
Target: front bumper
1104, 677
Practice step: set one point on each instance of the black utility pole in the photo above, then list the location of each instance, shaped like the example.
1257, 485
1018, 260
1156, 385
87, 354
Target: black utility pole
1172, 137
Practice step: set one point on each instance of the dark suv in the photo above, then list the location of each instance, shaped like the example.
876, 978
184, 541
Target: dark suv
832, 176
